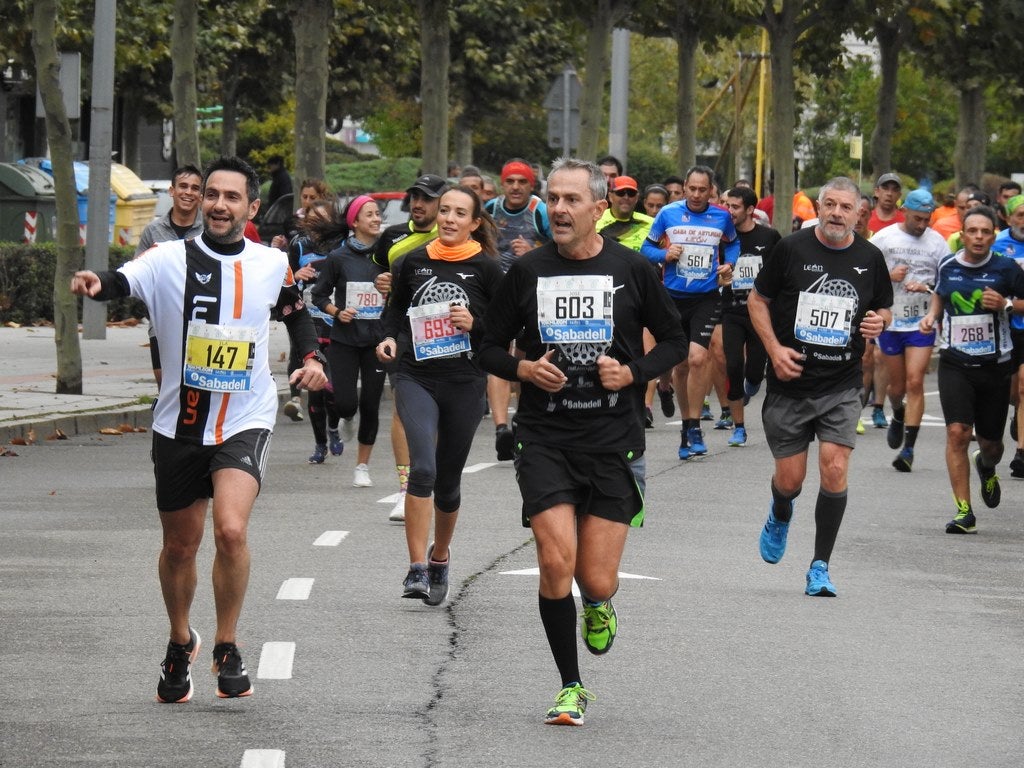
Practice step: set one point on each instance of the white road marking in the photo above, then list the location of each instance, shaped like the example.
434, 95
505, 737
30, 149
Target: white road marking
575, 587
477, 467
389, 499
295, 589
276, 661
263, 758
330, 538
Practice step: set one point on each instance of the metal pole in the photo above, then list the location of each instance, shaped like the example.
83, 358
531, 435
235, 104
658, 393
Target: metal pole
97, 249
567, 74
618, 117
761, 101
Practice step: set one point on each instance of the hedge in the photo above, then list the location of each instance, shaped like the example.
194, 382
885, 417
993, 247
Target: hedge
26, 284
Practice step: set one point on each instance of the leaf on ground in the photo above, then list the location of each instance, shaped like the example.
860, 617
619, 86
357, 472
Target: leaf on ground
57, 435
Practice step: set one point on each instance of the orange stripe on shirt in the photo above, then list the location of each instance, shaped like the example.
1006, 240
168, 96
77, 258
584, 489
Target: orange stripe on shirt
218, 427
238, 290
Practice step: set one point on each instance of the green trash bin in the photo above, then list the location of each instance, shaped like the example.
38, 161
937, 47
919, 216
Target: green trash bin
28, 207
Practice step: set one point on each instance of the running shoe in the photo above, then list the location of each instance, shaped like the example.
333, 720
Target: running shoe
319, 454
232, 679
668, 401
773, 537
175, 686
1017, 464
417, 584
437, 574
648, 418
684, 446
964, 522
337, 446
348, 429
504, 442
860, 426
739, 437
894, 435
705, 412
725, 421
570, 704
397, 514
749, 390
293, 409
990, 491
878, 418
818, 582
695, 437
598, 627
361, 478
904, 461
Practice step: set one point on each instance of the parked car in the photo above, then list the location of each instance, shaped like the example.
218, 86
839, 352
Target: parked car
278, 218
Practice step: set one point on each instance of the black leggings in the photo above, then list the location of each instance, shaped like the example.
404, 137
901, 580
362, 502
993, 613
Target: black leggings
347, 363
440, 420
745, 357
323, 412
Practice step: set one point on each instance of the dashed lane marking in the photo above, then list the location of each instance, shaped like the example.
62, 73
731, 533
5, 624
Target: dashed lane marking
575, 587
330, 538
295, 589
276, 661
263, 758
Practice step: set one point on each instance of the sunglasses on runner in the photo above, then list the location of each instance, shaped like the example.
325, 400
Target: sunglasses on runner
625, 193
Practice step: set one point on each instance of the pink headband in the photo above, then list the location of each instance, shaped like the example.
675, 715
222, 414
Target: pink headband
355, 207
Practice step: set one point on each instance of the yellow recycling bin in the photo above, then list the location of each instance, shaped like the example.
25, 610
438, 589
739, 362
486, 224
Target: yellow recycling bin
136, 203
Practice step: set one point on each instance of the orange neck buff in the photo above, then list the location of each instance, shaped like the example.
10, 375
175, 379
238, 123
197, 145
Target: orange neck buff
438, 250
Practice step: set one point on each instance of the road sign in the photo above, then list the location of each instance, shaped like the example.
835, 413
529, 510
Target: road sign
563, 106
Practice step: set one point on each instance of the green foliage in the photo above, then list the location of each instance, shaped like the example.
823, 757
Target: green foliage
396, 126
377, 175
648, 165
26, 284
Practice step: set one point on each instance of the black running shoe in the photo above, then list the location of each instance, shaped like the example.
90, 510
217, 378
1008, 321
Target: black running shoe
1017, 464
990, 491
504, 443
894, 435
668, 402
232, 679
175, 686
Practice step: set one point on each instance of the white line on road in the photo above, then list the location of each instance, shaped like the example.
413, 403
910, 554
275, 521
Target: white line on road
295, 589
477, 467
575, 586
389, 499
263, 758
330, 538
276, 661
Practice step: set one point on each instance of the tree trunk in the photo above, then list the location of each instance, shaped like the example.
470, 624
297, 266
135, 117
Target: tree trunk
971, 137
69, 253
596, 62
434, 64
782, 32
311, 23
463, 139
130, 111
890, 42
229, 111
183, 82
687, 38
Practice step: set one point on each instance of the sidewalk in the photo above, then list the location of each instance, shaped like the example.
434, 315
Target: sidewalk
117, 381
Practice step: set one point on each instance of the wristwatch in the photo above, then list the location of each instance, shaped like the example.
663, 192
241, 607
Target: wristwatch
318, 356
1009, 304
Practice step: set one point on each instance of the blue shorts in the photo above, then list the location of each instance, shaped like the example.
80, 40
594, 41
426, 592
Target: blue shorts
894, 342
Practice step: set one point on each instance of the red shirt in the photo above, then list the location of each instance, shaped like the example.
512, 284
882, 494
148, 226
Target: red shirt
875, 223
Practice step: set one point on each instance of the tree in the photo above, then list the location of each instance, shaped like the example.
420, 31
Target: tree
183, 81
891, 27
311, 21
957, 38
69, 254
434, 62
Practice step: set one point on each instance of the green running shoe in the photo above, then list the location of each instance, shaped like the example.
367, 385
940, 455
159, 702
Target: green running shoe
964, 522
598, 626
990, 491
570, 704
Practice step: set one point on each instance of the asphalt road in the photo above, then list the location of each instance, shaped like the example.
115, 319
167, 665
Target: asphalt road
720, 659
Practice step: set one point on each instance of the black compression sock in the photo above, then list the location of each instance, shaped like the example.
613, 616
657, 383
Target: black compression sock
828, 516
559, 619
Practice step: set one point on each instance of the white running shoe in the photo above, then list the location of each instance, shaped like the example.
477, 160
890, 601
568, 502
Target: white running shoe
362, 477
398, 511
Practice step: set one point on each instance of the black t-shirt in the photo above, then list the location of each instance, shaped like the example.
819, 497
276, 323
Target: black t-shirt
818, 297
418, 281
616, 285
755, 246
